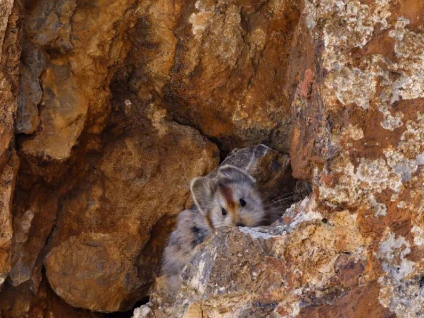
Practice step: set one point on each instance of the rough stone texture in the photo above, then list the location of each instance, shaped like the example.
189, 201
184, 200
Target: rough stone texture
113, 103
354, 248
43, 303
220, 66
9, 60
104, 224
33, 218
8, 72
7, 185
80, 268
305, 266
30, 93
77, 44
230, 70
288, 267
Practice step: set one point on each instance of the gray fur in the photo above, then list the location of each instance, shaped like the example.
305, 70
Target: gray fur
181, 244
202, 190
235, 174
211, 196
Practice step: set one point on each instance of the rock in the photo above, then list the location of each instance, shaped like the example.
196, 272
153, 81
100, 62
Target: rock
21, 301
93, 261
7, 185
62, 116
15, 301
355, 246
9, 72
111, 103
48, 24
9, 163
310, 138
33, 220
256, 272
76, 40
376, 170
229, 69
80, 268
30, 92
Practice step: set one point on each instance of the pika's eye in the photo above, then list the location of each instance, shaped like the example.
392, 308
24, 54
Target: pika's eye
242, 202
224, 212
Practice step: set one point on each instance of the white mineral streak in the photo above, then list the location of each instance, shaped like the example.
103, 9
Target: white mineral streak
256, 233
201, 19
351, 24
400, 291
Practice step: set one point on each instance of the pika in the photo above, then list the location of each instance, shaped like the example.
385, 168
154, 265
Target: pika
229, 199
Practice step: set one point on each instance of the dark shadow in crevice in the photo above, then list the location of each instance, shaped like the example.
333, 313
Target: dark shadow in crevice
129, 313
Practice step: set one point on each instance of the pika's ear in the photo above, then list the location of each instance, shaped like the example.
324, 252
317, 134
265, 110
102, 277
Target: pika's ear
235, 174
202, 190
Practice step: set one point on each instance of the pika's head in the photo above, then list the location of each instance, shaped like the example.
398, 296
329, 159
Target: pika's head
229, 199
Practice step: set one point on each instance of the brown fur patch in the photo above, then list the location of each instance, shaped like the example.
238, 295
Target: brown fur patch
227, 193
209, 222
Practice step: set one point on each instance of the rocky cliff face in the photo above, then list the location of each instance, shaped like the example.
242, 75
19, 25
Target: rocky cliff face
109, 108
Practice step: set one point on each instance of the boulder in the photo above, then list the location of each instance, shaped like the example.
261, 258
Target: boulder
105, 224
272, 271
74, 51
220, 66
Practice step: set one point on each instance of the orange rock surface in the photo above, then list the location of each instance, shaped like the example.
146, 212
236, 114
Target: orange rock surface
109, 108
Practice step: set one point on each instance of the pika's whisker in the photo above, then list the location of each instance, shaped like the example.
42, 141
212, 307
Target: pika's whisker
285, 196
278, 202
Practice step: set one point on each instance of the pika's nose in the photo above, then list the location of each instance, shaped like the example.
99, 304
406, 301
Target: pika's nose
239, 224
